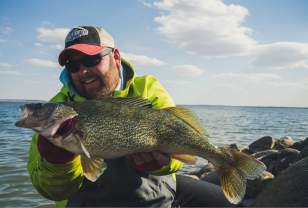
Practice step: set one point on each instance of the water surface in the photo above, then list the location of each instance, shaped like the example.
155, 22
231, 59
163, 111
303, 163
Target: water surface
225, 125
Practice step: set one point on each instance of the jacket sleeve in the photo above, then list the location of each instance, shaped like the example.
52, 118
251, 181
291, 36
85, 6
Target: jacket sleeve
160, 99
53, 181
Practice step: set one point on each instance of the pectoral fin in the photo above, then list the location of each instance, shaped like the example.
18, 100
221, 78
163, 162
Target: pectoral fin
84, 149
92, 168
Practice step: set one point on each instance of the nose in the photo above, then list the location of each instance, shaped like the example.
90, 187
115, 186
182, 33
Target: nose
83, 69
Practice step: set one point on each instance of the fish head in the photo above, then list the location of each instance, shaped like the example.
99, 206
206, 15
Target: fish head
47, 119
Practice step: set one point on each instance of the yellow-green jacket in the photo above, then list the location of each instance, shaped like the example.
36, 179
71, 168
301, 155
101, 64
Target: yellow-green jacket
61, 181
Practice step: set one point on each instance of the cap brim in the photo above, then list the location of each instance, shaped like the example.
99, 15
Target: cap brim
83, 48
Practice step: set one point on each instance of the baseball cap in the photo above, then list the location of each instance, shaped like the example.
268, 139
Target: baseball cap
89, 40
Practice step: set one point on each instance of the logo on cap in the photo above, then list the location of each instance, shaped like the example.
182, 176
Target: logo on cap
75, 34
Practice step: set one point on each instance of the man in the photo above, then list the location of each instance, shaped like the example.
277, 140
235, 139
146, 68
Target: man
94, 69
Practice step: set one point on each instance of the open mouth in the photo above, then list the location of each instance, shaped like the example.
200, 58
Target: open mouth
61, 127
66, 127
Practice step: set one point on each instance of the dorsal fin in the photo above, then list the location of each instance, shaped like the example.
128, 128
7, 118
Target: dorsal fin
188, 117
135, 101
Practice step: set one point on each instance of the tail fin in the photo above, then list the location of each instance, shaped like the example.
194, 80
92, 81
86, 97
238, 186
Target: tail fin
234, 175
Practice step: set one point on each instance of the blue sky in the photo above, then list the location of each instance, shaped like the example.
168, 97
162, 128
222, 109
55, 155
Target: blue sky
232, 52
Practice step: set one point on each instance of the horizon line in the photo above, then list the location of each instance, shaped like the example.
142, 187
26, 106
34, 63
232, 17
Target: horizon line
179, 104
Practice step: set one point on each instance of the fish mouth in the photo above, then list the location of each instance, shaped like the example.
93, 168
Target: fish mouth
67, 127
23, 117
61, 127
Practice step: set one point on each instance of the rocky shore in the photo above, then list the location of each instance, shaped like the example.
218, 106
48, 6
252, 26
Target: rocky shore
284, 183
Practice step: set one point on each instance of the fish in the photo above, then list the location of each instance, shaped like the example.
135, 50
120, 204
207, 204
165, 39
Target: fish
115, 127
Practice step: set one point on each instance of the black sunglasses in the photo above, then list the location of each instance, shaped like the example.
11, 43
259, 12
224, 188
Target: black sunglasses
87, 61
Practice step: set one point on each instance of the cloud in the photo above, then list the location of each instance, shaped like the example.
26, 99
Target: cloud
9, 72
146, 4
54, 35
178, 82
42, 63
209, 28
5, 31
213, 28
51, 37
5, 65
188, 70
252, 78
6, 69
281, 55
142, 60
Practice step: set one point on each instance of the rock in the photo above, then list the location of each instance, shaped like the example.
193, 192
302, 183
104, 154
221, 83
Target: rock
289, 188
192, 176
211, 177
287, 141
203, 171
237, 147
284, 142
254, 187
288, 156
247, 151
245, 203
264, 143
278, 161
304, 152
300, 144
265, 153
269, 157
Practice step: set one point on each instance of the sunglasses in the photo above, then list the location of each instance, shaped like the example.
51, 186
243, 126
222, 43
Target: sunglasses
87, 61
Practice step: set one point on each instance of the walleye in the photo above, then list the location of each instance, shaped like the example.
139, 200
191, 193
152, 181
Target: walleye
116, 127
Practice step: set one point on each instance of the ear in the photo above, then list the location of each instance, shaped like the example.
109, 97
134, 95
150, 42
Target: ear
117, 57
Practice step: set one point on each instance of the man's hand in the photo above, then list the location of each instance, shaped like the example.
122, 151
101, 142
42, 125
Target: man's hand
149, 161
52, 153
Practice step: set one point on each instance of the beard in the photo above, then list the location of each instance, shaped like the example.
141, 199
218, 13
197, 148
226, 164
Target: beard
108, 83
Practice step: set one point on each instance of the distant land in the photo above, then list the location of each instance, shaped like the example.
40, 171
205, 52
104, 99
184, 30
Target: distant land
195, 105
22, 100
243, 106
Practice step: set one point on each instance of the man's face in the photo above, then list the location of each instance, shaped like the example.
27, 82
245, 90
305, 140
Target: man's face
99, 80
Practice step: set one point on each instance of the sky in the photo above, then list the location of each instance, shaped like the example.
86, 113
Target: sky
212, 52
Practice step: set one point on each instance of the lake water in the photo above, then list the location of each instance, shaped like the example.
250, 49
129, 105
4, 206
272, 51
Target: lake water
225, 124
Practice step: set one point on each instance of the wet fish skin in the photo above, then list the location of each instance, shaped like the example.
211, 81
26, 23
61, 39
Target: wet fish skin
115, 127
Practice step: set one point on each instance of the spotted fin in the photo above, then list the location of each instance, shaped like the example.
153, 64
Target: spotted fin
135, 101
234, 175
92, 168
